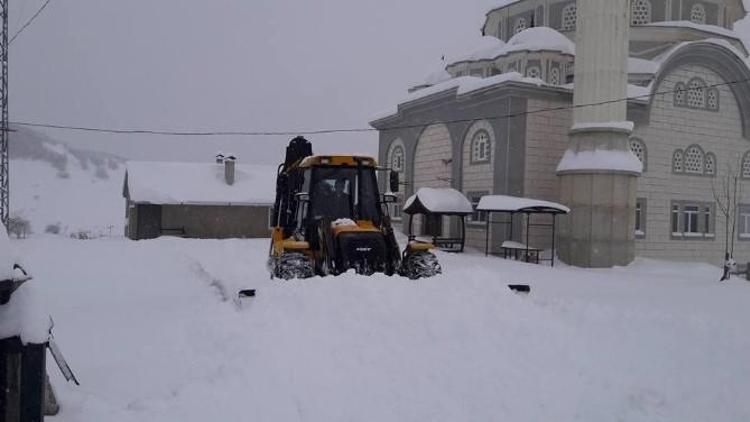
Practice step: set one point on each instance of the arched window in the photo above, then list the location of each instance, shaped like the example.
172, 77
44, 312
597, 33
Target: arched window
680, 91
696, 94
694, 160
710, 164
640, 12
569, 17
397, 159
698, 14
639, 149
480, 147
746, 166
520, 25
554, 76
677, 162
533, 72
712, 99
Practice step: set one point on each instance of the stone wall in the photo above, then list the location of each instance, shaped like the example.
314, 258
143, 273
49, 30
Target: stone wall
432, 164
671, 128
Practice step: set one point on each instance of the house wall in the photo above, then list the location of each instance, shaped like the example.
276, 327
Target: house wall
146, 221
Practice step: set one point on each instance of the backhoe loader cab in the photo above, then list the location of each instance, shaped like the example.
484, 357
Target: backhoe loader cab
330, 217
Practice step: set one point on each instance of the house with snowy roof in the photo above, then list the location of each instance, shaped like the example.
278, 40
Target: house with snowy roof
500, 119
198, 200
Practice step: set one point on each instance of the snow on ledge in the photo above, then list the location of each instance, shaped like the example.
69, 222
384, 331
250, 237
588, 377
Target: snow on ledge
600, 160
700, 27
617, 126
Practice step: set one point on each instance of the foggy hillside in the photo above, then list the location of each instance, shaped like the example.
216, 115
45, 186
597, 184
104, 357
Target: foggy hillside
64, 190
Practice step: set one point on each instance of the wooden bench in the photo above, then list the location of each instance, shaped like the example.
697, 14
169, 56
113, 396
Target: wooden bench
530, 254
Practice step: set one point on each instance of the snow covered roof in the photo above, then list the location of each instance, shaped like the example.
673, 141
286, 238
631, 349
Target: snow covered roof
603, 160
540, 38
199, 183
503, 203
487, 48
438, 201
438, 76
642, 66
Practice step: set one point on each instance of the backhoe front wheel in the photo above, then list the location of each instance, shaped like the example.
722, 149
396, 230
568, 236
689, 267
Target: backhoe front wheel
291, 265
420, 264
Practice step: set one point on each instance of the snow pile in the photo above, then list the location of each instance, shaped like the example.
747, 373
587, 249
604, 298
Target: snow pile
199, 183
164, 341
514, 203
436, 77
642, 66
600, 160
446, 201
343, 222
24, 315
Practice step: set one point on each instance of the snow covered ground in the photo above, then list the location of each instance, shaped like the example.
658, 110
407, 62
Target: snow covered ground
153, 333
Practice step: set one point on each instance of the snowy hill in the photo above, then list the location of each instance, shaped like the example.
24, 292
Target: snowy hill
54, 185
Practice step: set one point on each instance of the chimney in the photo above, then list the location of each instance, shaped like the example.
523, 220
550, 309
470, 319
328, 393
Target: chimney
229, 162
219, 158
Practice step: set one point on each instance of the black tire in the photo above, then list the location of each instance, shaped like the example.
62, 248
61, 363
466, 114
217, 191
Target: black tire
291, 265
418, 265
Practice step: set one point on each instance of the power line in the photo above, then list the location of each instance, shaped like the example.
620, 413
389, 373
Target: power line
288, 132
26, 25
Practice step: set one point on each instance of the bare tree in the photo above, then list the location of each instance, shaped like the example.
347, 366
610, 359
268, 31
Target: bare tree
728, 196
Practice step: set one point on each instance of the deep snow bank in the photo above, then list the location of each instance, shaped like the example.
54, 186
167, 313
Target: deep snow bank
153, 334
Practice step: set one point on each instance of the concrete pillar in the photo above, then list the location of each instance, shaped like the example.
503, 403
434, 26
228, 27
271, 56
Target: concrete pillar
598, 173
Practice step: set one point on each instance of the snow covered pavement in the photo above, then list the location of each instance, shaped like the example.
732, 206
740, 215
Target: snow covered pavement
153, 333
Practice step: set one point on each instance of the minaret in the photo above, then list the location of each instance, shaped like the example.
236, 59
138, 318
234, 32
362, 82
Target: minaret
598, 172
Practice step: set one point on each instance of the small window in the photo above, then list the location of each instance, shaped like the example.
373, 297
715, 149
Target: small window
712, 99
692, 220
640, 218
533, 72
746, 166
696, 93
710, 164
744, 222
569, 17
677, 162
694, 160
698, 14
397, 159
639, 149
480, 147
554, 76
395, 210
477, 216
520, 25
640, 12
680, 91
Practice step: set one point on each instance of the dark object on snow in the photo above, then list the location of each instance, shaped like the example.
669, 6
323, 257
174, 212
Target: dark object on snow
246, 293
23, 381
520, 288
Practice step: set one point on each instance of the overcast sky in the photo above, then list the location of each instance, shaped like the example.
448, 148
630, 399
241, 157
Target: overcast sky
227, 65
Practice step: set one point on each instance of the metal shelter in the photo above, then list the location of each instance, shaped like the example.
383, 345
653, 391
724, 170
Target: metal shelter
512, 205
434, 202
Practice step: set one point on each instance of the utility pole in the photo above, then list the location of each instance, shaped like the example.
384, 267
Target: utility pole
4, 126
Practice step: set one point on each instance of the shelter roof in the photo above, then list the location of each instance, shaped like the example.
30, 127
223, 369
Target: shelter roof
503, 203
445, 201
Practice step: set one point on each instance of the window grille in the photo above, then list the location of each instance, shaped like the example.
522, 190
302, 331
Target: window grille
698, 14
694, 160
569, 17
677, 162
520, 25
640, 12
710, 164
554, 76
679, 94
712, 99
696, 94
533, 72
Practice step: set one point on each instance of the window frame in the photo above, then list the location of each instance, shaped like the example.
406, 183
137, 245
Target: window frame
641, 216
684, 214
700, 8
487, 156
565, 15
477, 217
642, 145
743, 222
648, 15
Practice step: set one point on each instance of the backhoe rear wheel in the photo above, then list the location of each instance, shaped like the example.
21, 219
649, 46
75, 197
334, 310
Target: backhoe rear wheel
420, 264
